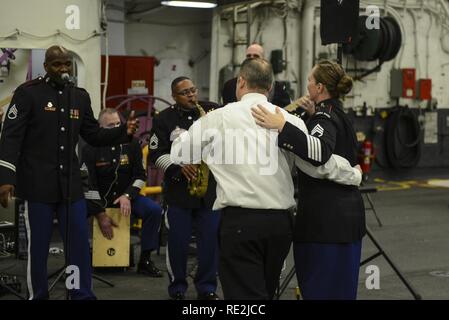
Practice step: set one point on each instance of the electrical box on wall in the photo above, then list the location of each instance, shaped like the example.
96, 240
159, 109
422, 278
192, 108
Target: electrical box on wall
129, 76
403, 83
424, 89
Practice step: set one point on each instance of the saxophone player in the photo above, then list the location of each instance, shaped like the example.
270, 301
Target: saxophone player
184, 209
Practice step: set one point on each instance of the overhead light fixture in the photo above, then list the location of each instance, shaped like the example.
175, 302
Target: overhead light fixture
204, 4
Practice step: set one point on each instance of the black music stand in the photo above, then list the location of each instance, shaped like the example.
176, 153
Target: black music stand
16, 231
11, 291
282, 286
61, 275
366, 191
381, 252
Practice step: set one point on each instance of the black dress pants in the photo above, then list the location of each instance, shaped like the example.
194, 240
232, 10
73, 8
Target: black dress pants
253, 244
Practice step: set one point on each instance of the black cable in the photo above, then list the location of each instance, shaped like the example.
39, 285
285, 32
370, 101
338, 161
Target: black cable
402, 139
379, 138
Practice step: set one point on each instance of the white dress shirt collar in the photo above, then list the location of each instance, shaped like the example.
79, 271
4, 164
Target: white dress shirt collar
254, 96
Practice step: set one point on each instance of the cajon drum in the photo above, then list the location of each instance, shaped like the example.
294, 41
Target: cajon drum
114, 252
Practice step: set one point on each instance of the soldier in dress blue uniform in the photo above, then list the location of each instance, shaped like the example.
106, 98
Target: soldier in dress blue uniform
34, 162
116, 176
330, 223
184, 209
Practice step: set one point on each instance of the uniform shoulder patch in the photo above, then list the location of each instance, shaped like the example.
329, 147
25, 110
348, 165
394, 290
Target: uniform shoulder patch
322, 113
324, 109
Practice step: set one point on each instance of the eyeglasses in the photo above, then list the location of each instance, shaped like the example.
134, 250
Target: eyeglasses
252, 56
186, 92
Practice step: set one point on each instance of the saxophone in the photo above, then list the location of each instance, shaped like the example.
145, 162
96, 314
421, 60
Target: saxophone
197, 187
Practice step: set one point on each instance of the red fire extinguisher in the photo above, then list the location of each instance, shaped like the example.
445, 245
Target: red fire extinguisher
366, 157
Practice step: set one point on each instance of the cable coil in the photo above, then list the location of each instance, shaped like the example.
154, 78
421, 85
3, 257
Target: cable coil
402, 138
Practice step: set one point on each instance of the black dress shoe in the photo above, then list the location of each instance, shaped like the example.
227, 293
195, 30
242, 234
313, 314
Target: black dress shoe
147, 267
208, 296
177, 296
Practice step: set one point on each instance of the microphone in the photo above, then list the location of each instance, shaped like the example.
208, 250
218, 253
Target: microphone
65, 77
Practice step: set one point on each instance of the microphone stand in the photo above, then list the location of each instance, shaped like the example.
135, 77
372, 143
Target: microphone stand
61, 272
69, 86
70, 146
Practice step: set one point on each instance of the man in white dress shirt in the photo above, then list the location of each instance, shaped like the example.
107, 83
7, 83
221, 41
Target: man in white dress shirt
254, 184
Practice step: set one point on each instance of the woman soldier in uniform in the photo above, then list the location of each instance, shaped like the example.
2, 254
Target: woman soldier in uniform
330, 223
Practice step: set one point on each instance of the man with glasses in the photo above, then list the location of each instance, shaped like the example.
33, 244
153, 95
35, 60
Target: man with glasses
183, 208
116, 176
277, 96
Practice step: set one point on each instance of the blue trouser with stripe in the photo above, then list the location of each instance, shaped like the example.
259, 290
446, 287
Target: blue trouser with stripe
179, 223
151, 214
39, 225
328, 271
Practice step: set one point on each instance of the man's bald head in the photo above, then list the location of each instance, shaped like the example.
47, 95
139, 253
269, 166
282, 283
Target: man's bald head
58, 61
56, 52
255, 51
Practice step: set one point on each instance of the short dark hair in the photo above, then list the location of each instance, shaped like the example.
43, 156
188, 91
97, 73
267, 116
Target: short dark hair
258, 74
106, 111
175, 82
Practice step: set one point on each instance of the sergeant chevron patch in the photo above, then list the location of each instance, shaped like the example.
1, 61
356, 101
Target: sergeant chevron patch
317, 129
12, 112
154, 142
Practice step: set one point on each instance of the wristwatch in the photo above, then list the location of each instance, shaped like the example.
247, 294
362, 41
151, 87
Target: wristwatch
127, 195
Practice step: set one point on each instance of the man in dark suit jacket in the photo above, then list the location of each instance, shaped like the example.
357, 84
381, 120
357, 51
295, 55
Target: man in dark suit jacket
278, 95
